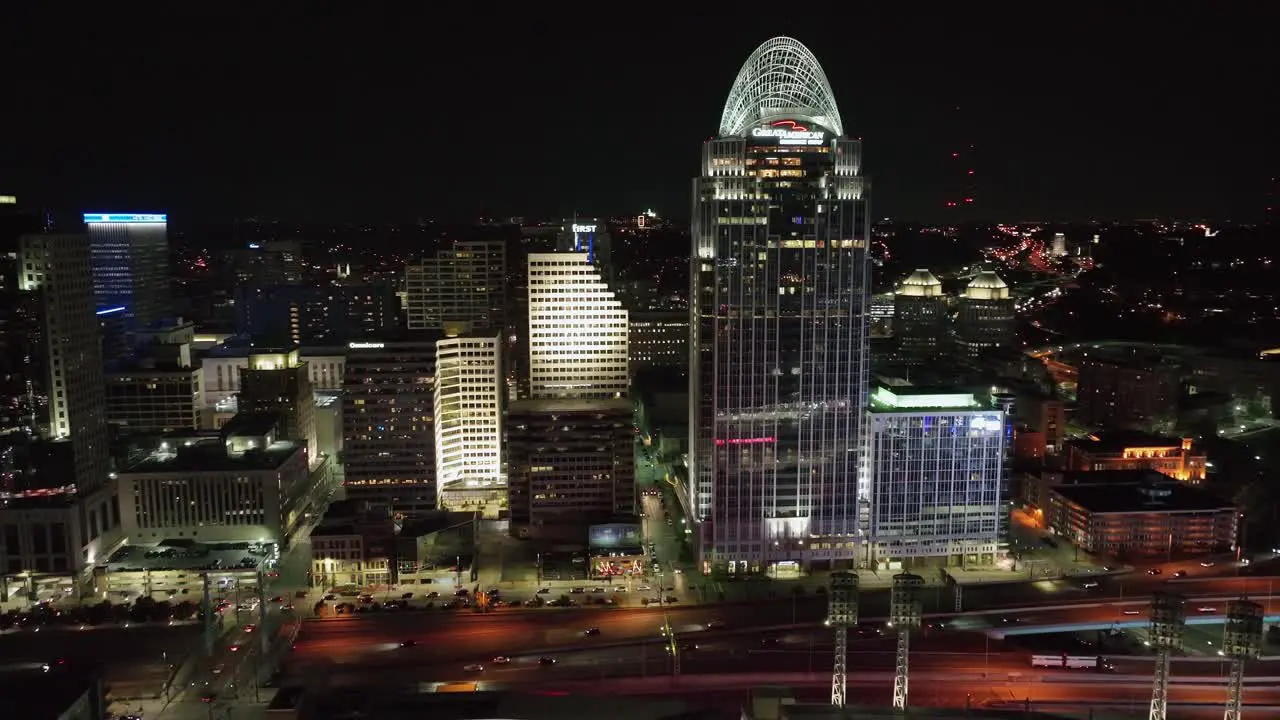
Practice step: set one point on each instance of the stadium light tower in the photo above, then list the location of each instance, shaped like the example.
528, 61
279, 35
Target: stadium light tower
1168, 622
842, 613
904, 616
1241, 641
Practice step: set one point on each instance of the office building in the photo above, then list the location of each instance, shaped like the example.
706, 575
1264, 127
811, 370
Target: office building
307, 315
56, 269
462, 285
276, 382
779, 312
131, 264
247, 483
1130, 450
572, 463
161, 392
985, 315
269, 263
468, 421
938, 476
388, 424
1141, 514
658, 339
62, 517
577, 330
1139, 392
224, 362
919, 317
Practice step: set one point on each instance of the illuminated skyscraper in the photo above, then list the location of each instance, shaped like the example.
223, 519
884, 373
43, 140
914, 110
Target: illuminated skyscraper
131, 264
577, 330
468, 419
779, 354
55, 267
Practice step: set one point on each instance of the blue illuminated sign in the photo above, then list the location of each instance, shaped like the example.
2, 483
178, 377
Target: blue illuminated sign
589, 246
153, 218
111, 310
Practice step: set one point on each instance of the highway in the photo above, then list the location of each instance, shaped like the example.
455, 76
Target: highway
367, 652
463, 635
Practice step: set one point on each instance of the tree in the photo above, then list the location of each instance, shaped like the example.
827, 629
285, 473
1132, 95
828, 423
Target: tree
443, 549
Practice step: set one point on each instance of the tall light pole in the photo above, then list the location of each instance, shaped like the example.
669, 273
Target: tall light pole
1241, 641
1168, 623
904, 616
842, 613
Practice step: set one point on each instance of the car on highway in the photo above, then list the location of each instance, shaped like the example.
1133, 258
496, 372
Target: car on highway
1180, 573
544, 591
591, 631
1207, 563
1206, 609
577, 591
1089, 584
716, 625
1154, 571
1132, 612
544, 660
475, 667
433, 595
249, 628
406, 596
217, 669
408, 643
501, 660
644, 588
620, 588
234, 648
598, 590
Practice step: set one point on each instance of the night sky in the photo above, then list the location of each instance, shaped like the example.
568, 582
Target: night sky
367, 117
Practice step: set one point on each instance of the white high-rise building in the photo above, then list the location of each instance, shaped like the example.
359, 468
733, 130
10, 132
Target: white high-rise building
577, 330
468, 418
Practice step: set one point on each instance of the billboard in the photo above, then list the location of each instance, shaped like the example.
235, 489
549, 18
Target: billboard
614, 535
788, 132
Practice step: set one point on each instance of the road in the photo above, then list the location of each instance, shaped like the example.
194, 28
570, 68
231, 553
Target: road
368, 649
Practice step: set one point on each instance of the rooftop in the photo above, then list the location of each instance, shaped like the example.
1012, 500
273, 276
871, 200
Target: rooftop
31, 692
571, 405
251, 424
209, 454
908, 398
1116, 441
1153, 493
920, 283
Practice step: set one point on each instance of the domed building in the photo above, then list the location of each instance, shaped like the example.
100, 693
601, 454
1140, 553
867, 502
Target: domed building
919, 317
986, 317
778, 377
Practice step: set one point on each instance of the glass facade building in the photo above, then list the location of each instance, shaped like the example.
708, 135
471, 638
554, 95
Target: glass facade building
131, 265
779, 297
937, 477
